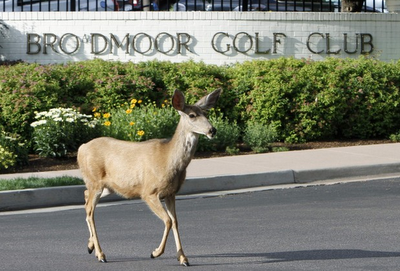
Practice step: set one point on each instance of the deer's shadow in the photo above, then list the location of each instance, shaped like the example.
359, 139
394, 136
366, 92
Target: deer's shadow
304, 255
272, 257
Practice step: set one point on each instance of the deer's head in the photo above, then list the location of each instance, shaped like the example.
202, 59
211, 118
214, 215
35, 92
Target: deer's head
194, 116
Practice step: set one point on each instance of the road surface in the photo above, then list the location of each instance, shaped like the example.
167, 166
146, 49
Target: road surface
353, 226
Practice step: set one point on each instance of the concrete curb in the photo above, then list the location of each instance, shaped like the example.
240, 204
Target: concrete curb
230, 182
305, 176
72, 195
41, 197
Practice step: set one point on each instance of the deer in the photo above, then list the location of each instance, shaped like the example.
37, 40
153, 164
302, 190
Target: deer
152, 170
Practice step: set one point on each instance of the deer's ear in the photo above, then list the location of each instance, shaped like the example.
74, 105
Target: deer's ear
178, 100
210, 100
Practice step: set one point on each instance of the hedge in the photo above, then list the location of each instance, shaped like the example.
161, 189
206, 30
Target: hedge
302, 100
331, 99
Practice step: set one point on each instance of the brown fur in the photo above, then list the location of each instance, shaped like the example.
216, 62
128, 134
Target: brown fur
152, 170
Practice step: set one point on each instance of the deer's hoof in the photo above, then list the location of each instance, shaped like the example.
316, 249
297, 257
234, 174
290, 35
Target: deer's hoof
182, 258
90, 250
156, 253
101, 257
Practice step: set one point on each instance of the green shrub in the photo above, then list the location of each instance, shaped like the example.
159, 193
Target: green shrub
395, 137
25, 88
303, 100
226, 137
336, 98
116, 84
259, 137
62, 130
7, 158
137, 121
14, 150
198, 79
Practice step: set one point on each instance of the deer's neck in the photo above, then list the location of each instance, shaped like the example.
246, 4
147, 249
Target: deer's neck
183, 146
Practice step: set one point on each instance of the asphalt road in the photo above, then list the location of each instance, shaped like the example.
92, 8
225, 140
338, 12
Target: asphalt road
352, 226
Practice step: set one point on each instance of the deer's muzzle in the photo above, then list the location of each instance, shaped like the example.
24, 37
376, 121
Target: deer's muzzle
213, 131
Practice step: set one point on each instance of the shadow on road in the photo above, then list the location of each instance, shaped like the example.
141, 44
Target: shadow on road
308, 255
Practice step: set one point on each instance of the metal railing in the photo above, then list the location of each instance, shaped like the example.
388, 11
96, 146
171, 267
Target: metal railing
184, 5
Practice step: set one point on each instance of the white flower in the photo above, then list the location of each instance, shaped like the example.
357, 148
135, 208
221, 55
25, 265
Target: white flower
92, 124
38, 123
40, 114
63, 115
69, 115
85, 116
10, 138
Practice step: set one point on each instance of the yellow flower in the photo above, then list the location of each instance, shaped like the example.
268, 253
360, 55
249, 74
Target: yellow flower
140, 133
131, 123
94, 109
97, 115
132, 106
107, 123
139, 102
133, 101
128, 111
163, 105
106, 115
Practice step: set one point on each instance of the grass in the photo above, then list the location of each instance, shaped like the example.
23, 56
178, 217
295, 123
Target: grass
35, 182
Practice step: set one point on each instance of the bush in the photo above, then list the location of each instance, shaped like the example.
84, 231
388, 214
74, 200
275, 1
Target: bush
306, 100
62, 130
13, 151
395, 137
198, 79
303, 100
7, 158
226, 137
24, 89
116, 82
138, 122
259, 137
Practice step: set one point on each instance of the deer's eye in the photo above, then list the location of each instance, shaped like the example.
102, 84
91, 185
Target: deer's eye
192, 115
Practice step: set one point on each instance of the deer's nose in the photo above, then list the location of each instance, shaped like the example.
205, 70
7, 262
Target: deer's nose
213, 131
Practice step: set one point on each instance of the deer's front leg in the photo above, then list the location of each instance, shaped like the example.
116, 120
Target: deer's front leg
170, 203
155, 205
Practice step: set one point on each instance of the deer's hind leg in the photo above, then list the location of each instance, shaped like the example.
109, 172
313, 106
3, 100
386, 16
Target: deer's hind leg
91, 199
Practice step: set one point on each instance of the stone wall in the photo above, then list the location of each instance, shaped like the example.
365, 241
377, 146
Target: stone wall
213, 37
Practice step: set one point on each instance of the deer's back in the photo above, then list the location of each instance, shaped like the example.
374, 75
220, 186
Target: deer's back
129, 168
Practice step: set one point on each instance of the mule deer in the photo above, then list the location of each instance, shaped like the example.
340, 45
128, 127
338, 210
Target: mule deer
153, 170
